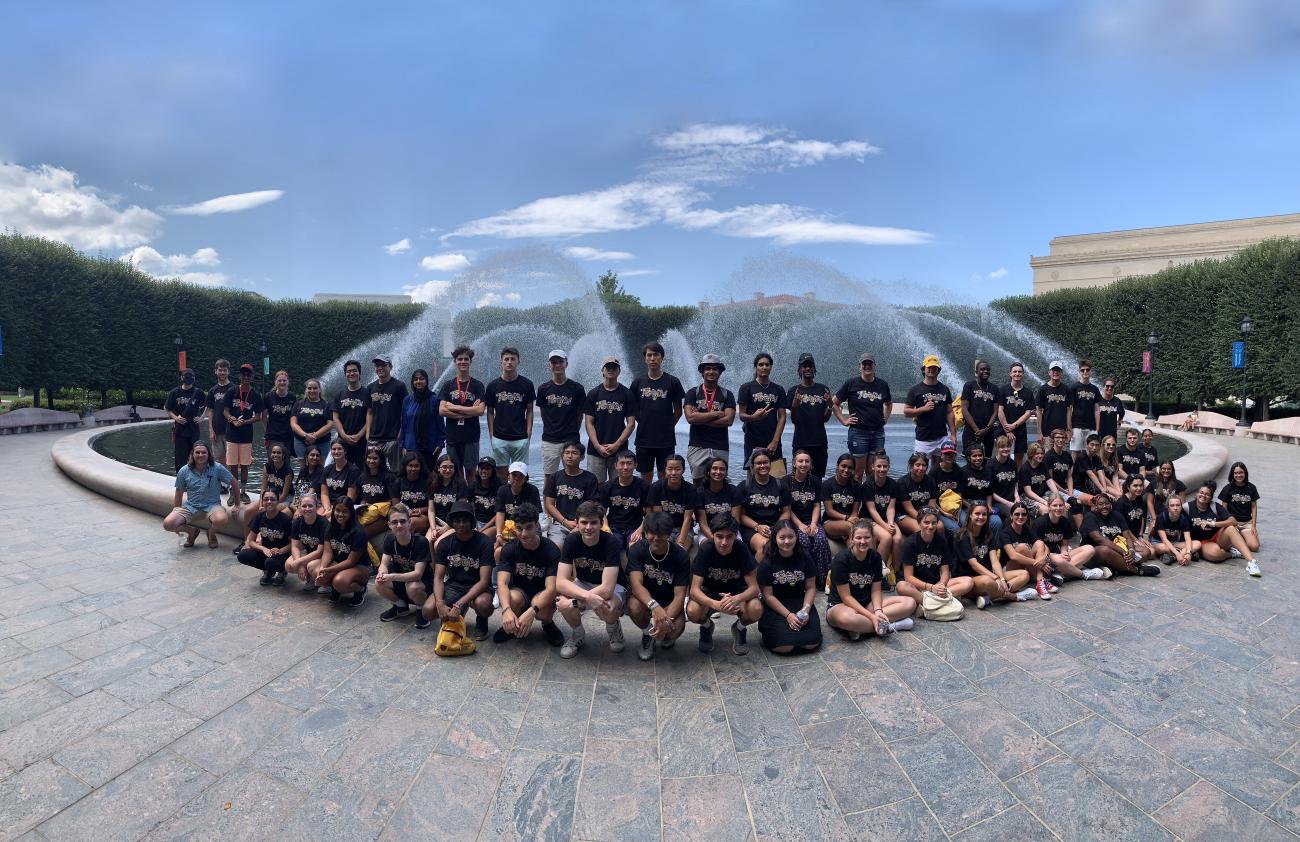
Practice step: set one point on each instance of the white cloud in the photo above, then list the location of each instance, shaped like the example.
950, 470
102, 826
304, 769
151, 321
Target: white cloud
153, 262
789, 225
588, 253
148, 188
632, 273
1000, 272
620, 208
398, 247
46, 201
448, 262
228, 204
493, 298
428, 292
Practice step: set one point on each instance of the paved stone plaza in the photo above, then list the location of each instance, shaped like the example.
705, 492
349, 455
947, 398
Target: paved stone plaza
152, 692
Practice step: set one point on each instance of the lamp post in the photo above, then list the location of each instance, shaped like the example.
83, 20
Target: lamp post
1152, 341
180, 354
1246, 326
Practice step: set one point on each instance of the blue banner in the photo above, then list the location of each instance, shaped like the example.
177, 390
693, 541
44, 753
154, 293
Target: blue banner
1239, 354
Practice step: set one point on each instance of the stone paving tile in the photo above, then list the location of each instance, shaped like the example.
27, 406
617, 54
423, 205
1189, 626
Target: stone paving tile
118, 746
618, 796
535, 797
577, 670
335, 811
390, 753
237, 641
515, 665
1286, 811
556, 719
133, 803
371, 688
1205, 813
730, 668
28, 701
109, 639
931, 678
1036, 703
1121, 703
624, 708
1235, 769
244, 804
787, 797
1077, 806
486, 724
968, 656
448, 800
685, 675
860, 771
812, 691
953, 782
34, 794
10, 649
43, 735
440, 686
758, 716
1014, 825
997, 737
310, 746
1131, 767
306, 684
105, 669
218, 689
909, 819
63, 631
227, 739
694, 738
31, 667
1241, 722
1037, 658
708, 807
888, 703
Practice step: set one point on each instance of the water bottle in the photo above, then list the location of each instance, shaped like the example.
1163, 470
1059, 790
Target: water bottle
802, 615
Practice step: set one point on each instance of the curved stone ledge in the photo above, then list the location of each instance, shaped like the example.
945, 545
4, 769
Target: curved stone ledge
1204, 459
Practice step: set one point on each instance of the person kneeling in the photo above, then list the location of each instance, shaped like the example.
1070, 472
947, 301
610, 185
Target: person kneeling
526, 580
266, 545
723, 579
658, 574
346, 569
588, 577
404, 576
462, 572
787, 578
856, 605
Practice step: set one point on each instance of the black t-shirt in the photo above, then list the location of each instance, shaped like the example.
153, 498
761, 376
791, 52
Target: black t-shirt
529, 569
1173, 529
1237, 498
309, 535
1202, 522
375, 488
589, 563
718, 502
277, 479
1053, 404
979, 403
660, 576
1007, 535
947, 480
509, 401
974, 547
933, 424
1054, 535
443, 497
1160, 494
624, 504
1130, 461
1112, 410
1059, 467
808, 414
752, 397
1150, 457
386, 409
919, 494
1085, 399
703, 435
609, 409
561, 407
1016, 403
866, 400
462, 393
414, 494
860, 576
840, 497
571, 491
508, 502
344, 542
764, 503
652, 404
879, 496
278, 411
404, 558
245, 406
484, 499
1134, 512
351, 406
305, 481
215, 401
1082, 464
1004, 478
976, 484
804, 496
1034, 478
272, 532
188, 404
338, 480
927, 558
312, 415
722, 573
786, 576
675, 503
1112, 526
463, 561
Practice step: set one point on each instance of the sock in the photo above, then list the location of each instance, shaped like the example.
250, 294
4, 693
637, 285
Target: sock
402, 605
1027, 593
904, 624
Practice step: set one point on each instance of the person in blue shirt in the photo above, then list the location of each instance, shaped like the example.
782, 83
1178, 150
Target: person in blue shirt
197, 505
423, 429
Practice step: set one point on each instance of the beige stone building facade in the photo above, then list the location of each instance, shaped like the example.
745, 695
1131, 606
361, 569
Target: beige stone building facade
1092, 260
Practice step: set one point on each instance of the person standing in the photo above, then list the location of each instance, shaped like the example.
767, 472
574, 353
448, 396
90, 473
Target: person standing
1110, 411
869, 406
1052, 403
243, 409
351, 408
810, 406
460, 402
561, 402
215, 401
761, 405
608, 417
509, 401
1015, 408
979, 410
279, 403
929, 404
710, 409
185, 406
311, 421
1085, 409
384, 418
657, 405
423, 430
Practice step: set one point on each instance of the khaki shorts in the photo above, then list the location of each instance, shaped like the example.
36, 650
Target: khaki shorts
198, 520
218, 448
239, 454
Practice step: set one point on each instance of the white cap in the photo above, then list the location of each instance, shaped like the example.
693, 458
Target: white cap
519, 468
1056, 364
557, 353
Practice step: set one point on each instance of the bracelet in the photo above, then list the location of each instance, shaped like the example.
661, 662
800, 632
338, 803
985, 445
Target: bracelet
652, 604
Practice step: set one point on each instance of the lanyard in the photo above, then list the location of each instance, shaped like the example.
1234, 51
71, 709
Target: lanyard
708, 397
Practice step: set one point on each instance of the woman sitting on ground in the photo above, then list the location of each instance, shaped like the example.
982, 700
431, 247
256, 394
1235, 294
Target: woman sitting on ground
1241, 499
857, 605
916, 491
347, 569
880, 508
1172, 533
1214, 532
1033, 478
1021, 549
978, 558
1056, 529
928, 562
763, 501
841, 500
266, 544
197, 502
374, 493
308, 541
308, 479
787, 579
1162, 486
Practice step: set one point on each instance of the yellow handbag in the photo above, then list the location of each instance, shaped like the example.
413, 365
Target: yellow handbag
373, 512
452, 640
950, 502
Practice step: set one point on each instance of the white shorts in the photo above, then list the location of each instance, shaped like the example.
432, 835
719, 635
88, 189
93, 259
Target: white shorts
620, 593
1079, 439
928, 447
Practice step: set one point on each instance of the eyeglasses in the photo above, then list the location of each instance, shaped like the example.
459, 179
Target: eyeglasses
1020, 514
393, 521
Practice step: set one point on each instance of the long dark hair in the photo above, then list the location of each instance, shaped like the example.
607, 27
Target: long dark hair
425, 407
772, 550
303, 475
1245, 472
457, 483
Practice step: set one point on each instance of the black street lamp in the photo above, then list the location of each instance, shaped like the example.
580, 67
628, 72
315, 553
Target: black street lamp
1152, 341
1246, 327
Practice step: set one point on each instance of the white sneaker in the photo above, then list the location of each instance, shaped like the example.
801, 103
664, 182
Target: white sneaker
1252, 567
572, 645
1234, 552
615, 632
1107, 573
1026, 594
1092, 573
981, 602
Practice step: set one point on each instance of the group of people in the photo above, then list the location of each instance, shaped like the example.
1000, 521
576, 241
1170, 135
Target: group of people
390, 486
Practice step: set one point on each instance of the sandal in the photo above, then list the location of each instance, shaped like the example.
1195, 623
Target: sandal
193, 536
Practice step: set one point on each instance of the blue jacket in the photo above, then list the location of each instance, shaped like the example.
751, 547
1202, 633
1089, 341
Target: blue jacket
435, 435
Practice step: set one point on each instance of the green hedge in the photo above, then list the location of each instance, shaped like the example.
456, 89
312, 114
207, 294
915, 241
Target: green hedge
1196, 313
97, 323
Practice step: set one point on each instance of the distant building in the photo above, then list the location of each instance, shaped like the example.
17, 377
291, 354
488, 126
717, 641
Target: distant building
364, 298
771, 302
1094, 260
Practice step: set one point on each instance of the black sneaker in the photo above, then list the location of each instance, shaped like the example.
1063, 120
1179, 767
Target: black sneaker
739, 633
357, 598
1148, 569
501, 635
552, 633
480, 627
279, 580
706, 637
421, 621
266, 578
647, 650
1057, 579
668, 643
393, 613
236, 550
335, 596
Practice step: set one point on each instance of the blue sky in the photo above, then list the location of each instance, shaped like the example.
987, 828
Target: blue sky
282, 147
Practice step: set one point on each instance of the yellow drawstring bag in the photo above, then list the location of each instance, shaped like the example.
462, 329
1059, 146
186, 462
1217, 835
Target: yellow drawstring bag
452, 640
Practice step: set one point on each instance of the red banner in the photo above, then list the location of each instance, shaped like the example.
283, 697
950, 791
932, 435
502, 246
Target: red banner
1146, 362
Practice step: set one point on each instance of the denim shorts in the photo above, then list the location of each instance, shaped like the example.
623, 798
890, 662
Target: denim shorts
505, 451
865, 442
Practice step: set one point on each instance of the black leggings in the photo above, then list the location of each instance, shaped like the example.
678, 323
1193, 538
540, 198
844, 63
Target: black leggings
182, 445
254, 558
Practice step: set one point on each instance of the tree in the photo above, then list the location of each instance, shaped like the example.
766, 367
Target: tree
612, 292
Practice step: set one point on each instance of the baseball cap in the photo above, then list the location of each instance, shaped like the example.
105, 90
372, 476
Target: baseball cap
947, 447
867, 358
807, 359
383, 358
557, 353
610, 361
930, 360
519, 468
246, 367
711, 359
487, 460
1056, 364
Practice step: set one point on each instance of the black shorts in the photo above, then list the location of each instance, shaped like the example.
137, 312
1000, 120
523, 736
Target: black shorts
1021, 437
453, 592
818, 454
652, 458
